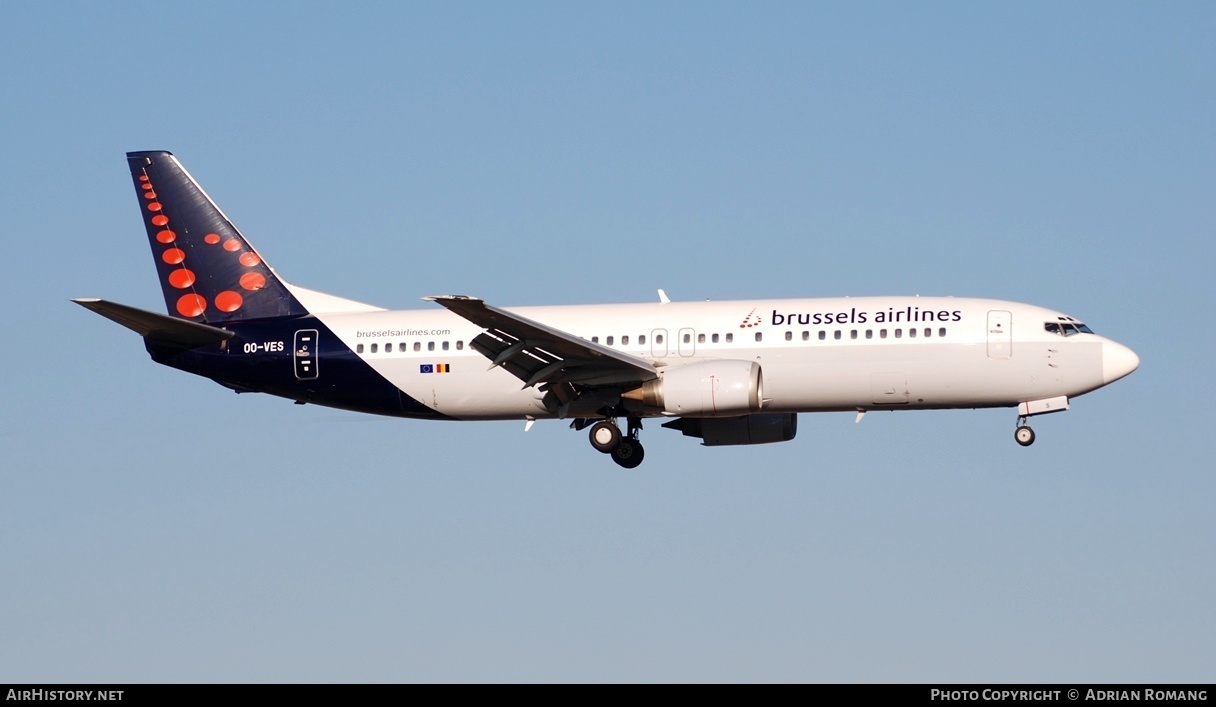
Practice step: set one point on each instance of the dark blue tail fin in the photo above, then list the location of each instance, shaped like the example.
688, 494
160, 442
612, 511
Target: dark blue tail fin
208, 271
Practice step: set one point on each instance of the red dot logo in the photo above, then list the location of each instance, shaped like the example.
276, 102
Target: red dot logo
160, 220
155, 206
166, 236
145, 186
228, 301
149, 195
253, 281
181, 279
191, 305
250, 259
211, 238
232, 244
173, 256
143, 177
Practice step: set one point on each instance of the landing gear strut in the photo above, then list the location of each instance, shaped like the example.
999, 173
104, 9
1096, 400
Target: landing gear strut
626, 450
629, 453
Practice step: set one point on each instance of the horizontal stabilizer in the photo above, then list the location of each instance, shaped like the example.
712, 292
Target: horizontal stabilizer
157, 327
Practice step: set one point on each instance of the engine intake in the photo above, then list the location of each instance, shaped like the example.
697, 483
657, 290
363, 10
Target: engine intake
725, 388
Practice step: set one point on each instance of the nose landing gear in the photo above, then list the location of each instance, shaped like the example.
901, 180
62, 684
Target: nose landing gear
1023, 434
626, 450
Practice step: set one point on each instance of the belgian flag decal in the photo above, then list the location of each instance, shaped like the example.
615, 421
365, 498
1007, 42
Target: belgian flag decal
435, 368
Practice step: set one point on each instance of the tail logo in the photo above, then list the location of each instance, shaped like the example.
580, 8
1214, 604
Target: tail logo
191, 304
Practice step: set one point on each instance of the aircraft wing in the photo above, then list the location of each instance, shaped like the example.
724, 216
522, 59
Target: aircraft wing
538, 354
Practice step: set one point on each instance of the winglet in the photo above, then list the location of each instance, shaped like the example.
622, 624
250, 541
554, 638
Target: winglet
450, 298
663, 298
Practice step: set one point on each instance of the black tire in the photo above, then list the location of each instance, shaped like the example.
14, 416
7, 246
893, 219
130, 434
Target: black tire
629, 453
1024, 436
604, 436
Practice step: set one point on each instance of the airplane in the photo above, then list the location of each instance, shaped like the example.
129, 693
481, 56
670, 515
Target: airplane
727, 373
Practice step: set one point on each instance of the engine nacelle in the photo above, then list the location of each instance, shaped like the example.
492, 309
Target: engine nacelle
726, 388
745, 429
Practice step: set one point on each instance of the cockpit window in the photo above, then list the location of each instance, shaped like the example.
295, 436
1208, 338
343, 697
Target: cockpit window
1067, 328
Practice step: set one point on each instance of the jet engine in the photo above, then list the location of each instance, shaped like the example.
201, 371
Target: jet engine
724, 388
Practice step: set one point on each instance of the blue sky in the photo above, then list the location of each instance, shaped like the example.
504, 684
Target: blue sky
156, 527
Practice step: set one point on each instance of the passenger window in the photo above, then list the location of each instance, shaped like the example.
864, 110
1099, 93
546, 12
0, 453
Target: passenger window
658, 338
625, 340
912, 333
445, 346
853, 334
899, 333
641, 339
388, 348
417, 345
836, 335
806, 336
460, 346
688, 338
759, 336
869, 333
700, 338
359, 348
789, 336
941, 332
928, 331
430, 346
730, 338
374, 347
715, 338
882, 333
595, 339
608, 341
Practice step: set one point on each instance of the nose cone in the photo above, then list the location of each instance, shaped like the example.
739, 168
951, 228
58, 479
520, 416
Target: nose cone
1117, 361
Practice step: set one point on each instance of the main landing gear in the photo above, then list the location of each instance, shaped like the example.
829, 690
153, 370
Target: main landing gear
625, 449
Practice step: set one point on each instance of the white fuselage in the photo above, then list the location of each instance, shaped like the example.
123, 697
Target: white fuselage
858, 353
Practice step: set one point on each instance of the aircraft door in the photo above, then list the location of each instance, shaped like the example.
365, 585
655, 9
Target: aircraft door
1000, 334
687, 343
658, 343
304, 353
